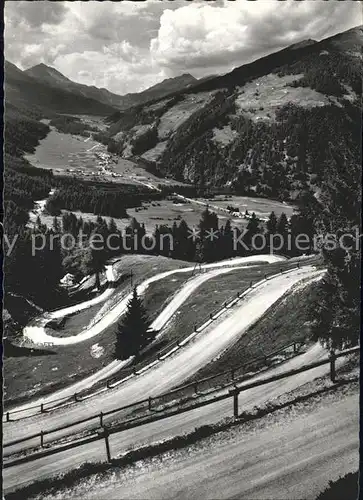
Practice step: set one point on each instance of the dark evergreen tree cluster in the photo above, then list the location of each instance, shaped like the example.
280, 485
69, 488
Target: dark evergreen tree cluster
22, 130
132, 332
23, 183
34, 274
97, 198
72, 125
336, 317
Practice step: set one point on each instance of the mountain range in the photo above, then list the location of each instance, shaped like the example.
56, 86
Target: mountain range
269, 128
46, 87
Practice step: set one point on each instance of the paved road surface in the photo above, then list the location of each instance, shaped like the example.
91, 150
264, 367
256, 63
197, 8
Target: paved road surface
288, 460
109, 370
177, 368
35, 331
164, 429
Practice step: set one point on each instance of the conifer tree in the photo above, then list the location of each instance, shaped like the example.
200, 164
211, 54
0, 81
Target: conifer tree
271, 224
132, 331
283, 231
253, 228
208, 227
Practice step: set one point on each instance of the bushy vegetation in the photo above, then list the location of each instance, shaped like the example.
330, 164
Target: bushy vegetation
327, 72
144, 142
336, 317
22, 131
346, 487
97, 198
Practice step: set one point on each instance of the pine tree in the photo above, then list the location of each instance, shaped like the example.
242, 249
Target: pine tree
226, 243
132, 331
271, 224
186, 245
283, 231
56, 225
112, 227
209, 236
337, 314
253, 228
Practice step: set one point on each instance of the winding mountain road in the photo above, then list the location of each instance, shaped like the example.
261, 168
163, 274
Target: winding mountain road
294, 458
36, 332
158, 324
175, 369
163, 376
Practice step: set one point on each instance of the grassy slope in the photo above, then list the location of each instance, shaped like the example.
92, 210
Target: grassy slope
286, 321
212, 294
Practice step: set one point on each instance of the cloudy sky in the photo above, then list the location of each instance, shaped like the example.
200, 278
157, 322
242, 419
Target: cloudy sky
128, 46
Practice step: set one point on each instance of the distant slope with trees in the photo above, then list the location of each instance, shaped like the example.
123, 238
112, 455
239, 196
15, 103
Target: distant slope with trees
240, 138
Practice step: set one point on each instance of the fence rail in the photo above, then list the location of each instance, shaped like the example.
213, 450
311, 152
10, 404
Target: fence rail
159, 398
125, 374
104, 432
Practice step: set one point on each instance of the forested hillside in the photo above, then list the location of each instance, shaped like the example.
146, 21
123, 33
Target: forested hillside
54, 78
269, 128
24, 91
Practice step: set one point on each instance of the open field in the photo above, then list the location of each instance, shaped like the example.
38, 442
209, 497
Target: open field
261, 98
156, 213
261, 206
60, 151
66, 154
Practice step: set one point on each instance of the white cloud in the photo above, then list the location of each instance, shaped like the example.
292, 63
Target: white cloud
128, 46
205, 36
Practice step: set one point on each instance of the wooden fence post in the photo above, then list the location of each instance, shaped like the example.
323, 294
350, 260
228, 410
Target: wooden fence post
235, 404
234, 393
251, 284
75, 397
42, 439
41, 408
332, 366
7, 416
196, 387
149, 403
107, 443
101, 419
